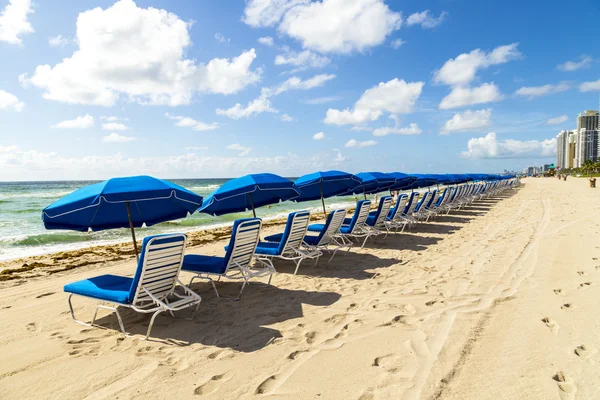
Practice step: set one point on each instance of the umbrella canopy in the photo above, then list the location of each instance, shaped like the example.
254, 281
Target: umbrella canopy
403, 181
372, 182
424, 180
247, 193
324, 184
121, 203
103, 205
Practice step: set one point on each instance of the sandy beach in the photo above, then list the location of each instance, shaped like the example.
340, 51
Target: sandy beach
495, 301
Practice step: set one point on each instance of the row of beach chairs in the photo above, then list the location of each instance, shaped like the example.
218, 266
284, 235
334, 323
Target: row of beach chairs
156, 286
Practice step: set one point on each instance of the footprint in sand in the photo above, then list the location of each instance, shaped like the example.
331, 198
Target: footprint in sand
585, 285
567, 306
565, 382
352, 306
221, 354
295, 354
584, 351
430, 303
581, 273
211, 385
550, 323
267, 385
559, 292
31, 326
44, 295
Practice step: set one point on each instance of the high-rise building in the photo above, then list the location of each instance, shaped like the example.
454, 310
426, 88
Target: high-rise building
588, 120
571, 153
561, 145
587, 146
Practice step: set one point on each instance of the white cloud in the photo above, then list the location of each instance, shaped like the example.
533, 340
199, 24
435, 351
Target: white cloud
221, 39
10, 102
25, 164
266, 40
81, 122
468, 121
462, 69
257, 106
412, 129
319, 136
304, 59
590, 86
461, 96
244, 151
322, 100
339, 158
13, 21
557, 120
328, 26
569, 66
286, 118
58, 41
536, 91
116, 138
425, 19
263, 103
397, 43
490, 147
395, 96
356, 143
114, 119
114, 126
137, 53
186, 122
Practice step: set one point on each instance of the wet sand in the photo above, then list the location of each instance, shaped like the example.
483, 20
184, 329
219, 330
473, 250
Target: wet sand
496, 301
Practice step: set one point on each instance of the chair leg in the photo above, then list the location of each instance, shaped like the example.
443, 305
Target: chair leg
212, 282
152, 323
297, 266
95, 314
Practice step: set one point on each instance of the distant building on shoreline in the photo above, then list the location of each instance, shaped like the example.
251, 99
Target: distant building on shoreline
574, 147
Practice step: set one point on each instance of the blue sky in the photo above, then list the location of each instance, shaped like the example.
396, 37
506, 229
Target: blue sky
414, 86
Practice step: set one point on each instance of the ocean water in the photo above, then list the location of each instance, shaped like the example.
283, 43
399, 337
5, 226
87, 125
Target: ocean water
22, 232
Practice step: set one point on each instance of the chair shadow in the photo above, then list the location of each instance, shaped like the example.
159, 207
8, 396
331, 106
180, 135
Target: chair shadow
237, 325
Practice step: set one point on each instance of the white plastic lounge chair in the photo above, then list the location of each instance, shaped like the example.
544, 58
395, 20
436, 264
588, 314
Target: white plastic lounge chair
151, 290
238, 262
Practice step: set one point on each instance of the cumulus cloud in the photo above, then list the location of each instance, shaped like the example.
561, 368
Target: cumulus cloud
14, 22
286, 118
10, 102
328, 26
356, 143
114, 126
536, 91
116, 138
590, 86
569, 66
490, 147
397, 43
266, 40
395, 96
468, 121
302, 60
319, 136
426, 20
461, 96
221, 39
58, 41
412, 129
186, 122
463, 69
557, 120
81, 122
135, 53
263, 103
243, 151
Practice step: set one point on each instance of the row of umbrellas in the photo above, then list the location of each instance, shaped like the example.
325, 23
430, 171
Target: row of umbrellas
132, 202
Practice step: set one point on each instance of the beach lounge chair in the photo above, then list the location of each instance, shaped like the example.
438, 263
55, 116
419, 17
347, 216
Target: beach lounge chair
290, 246
328, 236
395, 220
238, 262
411, 205
151, 290
376, 220
421, 213
354, 228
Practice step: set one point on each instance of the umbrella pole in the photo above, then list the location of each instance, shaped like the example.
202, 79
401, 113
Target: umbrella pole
252, 205
137, 255
365, 194
322, 199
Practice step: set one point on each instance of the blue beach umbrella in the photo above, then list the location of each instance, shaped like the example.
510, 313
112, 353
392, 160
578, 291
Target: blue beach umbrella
128, 202
424, 180
248, 192
323, 184
372, 182
403, 181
